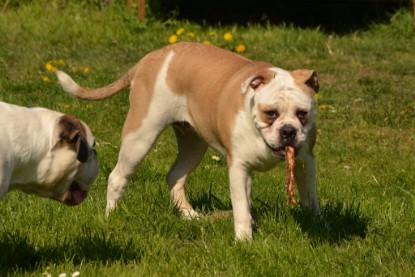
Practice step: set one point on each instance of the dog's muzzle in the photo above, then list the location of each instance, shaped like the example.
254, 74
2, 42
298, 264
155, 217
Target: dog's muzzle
288, 134
75, 195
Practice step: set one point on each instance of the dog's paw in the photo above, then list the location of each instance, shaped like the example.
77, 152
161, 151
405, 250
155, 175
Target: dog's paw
190, 214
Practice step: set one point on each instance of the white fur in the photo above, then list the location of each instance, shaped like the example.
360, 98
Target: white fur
67, 83
287, 98
32, 159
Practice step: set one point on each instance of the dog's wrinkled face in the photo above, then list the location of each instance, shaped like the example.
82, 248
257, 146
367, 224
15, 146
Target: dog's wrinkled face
70, 168
282, 107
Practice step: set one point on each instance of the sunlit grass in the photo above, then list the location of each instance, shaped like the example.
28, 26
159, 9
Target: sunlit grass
366, 140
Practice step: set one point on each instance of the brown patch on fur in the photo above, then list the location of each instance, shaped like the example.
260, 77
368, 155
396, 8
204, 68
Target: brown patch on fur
202, 82
264, 108
73, 133
208, 71
258, 80
307, 79
211, 79
70, 125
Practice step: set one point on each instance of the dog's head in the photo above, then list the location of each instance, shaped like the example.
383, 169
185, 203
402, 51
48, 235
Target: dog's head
282, 106
70, 168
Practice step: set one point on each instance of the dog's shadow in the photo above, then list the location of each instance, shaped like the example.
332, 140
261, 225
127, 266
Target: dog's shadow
338, 222
18, 253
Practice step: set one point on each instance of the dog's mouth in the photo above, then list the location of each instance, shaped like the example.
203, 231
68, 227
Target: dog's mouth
75, 195
280, 151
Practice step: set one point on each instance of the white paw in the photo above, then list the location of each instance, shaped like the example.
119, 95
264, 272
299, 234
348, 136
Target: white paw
189, 214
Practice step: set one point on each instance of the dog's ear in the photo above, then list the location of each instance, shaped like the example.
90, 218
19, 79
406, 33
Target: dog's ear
71, 132
307, 77
258, 80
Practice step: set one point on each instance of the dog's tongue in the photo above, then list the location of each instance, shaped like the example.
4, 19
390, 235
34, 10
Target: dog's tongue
74, 196
77, 196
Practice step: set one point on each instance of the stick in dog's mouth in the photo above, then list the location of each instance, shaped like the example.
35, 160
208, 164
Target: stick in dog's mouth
290, 163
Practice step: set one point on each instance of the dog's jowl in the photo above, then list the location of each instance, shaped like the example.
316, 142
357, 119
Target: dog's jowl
248, 111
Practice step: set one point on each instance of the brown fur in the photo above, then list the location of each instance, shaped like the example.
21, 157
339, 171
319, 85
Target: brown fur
72, 132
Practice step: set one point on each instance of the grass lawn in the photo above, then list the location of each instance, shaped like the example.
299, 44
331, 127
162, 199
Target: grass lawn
365, 155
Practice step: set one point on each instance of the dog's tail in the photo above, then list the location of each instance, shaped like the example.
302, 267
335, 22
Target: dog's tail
71, 87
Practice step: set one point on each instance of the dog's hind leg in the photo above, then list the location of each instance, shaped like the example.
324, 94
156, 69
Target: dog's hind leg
134, 148
191, 149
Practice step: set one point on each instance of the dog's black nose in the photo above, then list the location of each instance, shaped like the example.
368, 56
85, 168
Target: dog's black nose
288, 134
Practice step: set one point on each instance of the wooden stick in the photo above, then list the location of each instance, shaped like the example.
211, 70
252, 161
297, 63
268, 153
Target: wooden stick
290, 163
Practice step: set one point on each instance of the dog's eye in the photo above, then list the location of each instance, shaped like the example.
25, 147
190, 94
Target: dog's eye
301, 114
271, 115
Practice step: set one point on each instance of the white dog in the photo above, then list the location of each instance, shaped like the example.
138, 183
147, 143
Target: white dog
46, 153
248, 111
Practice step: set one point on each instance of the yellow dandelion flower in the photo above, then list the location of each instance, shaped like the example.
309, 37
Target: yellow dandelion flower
228, 36
172, 39
240, 48
45, 79
85, 70
49, 67
180, 31
207, 42
190, 35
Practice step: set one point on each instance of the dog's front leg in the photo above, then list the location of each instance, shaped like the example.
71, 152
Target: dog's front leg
305, 175
5, 176
240, 189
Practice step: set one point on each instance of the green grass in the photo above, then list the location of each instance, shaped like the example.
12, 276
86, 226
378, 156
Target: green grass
365, 154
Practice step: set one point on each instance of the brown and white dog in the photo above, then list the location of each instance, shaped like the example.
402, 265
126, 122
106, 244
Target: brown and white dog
248, 111
46, 153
